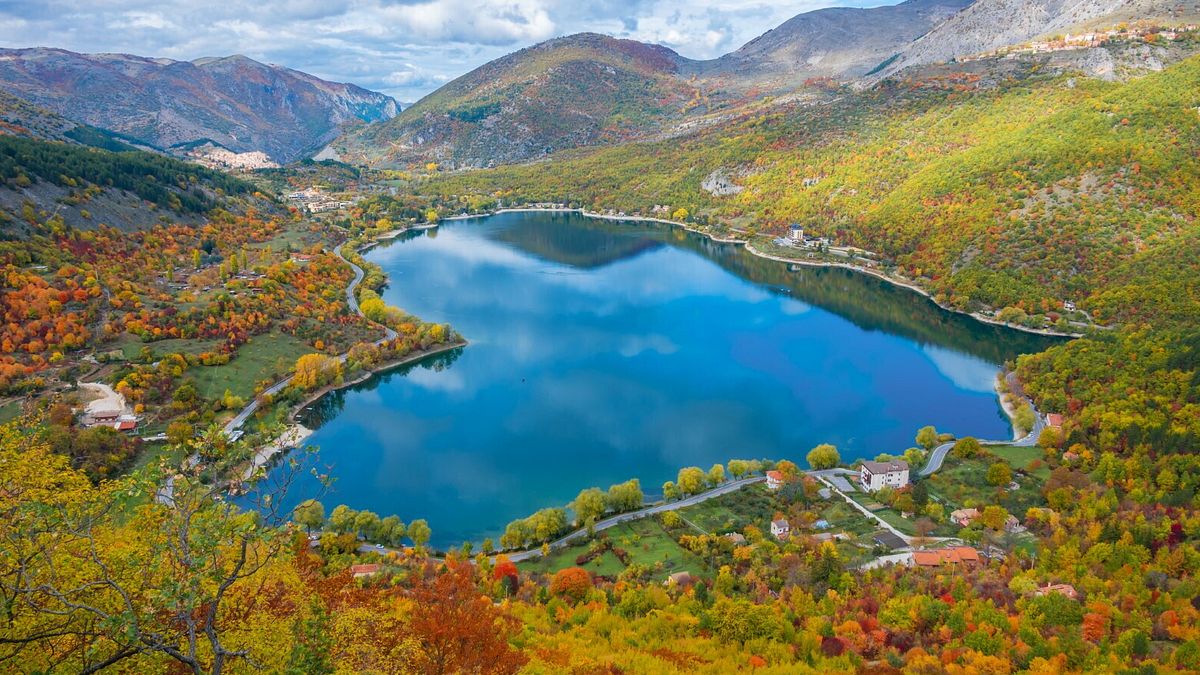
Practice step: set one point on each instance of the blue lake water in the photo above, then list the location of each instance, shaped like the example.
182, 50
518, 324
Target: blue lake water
601, 351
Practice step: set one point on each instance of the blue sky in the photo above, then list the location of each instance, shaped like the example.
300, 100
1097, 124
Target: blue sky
405, 48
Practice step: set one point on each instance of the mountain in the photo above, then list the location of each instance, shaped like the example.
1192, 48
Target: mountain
991, 24
568, 92
234, 102
837, 42
590, 89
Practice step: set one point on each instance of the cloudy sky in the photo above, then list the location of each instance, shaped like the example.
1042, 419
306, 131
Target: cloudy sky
405, 48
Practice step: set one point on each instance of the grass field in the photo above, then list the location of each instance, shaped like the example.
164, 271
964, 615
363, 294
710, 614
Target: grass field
646, 542
264, 357
131, 347
9, 411
1020, 457
731, 512
963, 483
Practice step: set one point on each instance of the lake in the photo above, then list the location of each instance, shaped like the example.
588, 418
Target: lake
601, 351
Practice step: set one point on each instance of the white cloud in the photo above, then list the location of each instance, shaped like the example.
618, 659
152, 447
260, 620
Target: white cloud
403, 47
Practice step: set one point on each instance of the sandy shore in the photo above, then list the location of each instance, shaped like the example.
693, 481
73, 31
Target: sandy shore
292, 437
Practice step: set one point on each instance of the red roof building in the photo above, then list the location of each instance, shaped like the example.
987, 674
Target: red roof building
364, 570
954, 555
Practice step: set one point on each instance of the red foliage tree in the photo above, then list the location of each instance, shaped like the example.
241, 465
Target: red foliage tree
459, 629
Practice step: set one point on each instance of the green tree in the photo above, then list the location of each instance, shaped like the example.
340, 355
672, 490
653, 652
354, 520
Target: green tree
392, 531
309, 514
312, 643
589, 506
927, 437
999, 474
824, 456
342, 519
419, 532
920, 494
367, 524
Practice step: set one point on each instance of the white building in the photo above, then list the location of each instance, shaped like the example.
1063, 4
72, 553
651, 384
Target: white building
774, 480
796, 234
780, 528
878, 475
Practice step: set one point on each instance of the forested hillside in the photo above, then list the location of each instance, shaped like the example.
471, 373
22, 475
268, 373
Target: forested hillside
1022, 194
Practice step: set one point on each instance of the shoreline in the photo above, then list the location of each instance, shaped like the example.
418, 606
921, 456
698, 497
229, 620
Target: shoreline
798, 261
296, 433
1006, 405
368, 373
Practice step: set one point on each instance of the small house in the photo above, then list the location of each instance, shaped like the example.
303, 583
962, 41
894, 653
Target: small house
875, 476
1054, 421
955, 555
964, 517
780, 528
364, 570
774, 480
796, 234
890, 540
737, 538
1068, 306
679, 580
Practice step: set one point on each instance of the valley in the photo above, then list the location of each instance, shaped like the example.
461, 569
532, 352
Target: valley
870, 345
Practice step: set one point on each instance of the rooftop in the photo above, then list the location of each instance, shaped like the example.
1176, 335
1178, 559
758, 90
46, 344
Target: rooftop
886, 467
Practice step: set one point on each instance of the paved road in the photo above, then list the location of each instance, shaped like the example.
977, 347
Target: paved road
613, 521
938, 456
389, 334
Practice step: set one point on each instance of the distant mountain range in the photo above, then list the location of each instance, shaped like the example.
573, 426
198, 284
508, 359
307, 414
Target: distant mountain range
234, 102
571, 92
837, 42
589, 89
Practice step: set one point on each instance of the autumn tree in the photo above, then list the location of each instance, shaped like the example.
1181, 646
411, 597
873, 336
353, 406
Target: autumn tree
927, 437
965, 448
999, 473
571, 583
691, 480
625, 496
824, 456
458, 629
589, 505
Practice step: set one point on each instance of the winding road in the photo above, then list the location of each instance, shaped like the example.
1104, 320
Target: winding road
351, 300
938, 455
167, 492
